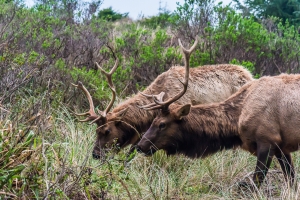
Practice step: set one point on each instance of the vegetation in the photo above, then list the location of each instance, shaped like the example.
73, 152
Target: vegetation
46, 153
287, 10
110, 15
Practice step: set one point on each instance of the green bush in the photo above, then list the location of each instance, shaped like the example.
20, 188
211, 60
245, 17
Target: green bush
45, 152
109, 14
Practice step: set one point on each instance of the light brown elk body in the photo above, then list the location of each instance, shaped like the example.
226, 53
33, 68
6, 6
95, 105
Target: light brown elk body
212, 83
263, 117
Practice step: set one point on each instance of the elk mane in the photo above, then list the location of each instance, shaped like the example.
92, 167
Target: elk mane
210, 128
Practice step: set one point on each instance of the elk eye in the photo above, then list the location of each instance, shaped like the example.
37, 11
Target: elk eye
162, 125
107, 132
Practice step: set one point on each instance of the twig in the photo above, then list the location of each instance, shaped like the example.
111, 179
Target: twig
9, 194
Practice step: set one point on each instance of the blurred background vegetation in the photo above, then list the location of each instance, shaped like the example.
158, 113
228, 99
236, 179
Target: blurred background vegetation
43, 49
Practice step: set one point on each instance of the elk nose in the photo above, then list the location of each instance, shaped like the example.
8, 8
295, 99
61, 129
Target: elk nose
139, 149
96, 156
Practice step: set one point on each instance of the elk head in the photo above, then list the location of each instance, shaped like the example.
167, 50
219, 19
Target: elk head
164, 127
103, 118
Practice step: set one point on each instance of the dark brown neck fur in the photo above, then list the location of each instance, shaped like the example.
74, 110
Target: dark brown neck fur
139, 118
210, 128
135, 117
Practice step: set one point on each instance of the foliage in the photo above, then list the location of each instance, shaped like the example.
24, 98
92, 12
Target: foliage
287, 10
147, 54
45, 152
240, 38
191, 18
21, 128
161, 20
109, 14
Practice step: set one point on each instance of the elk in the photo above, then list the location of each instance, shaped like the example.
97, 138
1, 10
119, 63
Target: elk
123, 125
262, 118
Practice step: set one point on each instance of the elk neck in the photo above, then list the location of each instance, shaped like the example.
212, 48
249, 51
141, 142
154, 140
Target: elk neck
138, 119
212, 127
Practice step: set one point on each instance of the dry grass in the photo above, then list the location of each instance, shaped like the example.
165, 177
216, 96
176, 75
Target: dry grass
175, 177
62, 167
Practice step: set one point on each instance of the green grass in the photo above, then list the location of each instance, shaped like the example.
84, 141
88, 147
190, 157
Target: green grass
60, 165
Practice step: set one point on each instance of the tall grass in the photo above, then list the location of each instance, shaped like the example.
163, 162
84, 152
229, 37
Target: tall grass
46, 154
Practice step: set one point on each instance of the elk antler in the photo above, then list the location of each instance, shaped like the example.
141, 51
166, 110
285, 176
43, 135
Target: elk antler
92, 116
111, 86
158, 97
164, 105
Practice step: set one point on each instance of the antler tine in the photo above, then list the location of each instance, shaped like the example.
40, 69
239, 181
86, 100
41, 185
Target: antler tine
151, 106
186, 53
111, 71
146, 95
159, 96
147, 106
111, 85
92, 114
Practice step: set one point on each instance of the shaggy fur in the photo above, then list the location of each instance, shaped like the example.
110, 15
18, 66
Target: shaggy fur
211, 83
262, 117
204, 131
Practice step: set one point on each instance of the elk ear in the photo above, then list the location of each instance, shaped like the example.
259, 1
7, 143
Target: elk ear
182, 111
119, 115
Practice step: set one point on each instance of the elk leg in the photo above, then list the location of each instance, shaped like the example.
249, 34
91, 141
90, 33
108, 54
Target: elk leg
264, 159
286, 163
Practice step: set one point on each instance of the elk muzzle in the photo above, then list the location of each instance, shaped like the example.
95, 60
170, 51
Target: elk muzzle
147, 151
96, 152
96, 156
99, 152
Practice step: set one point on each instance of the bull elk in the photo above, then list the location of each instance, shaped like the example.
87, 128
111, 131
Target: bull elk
262, 118
123, 125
